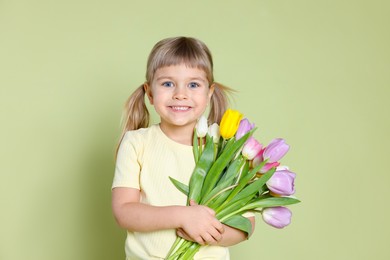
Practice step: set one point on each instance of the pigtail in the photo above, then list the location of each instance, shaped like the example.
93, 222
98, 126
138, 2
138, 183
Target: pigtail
219, 102
135, 114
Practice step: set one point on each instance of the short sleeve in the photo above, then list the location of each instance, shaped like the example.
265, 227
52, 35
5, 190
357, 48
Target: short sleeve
127, 168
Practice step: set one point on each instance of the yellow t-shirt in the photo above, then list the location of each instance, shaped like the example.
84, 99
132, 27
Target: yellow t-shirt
146, 158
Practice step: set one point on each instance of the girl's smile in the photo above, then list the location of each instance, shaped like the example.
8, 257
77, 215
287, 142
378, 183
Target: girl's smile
180, 108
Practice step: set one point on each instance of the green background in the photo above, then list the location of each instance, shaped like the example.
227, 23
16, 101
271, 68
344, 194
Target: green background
313, 72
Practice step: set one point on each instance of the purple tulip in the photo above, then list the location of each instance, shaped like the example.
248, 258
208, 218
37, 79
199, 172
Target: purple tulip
278, 217
275, 150
282, 182
244, 127
251, 148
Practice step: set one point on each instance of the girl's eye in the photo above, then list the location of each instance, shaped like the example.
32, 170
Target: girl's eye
193, 85
167, 84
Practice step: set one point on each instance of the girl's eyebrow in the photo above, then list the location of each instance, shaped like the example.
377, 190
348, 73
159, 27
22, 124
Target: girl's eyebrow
164, 77
172, 78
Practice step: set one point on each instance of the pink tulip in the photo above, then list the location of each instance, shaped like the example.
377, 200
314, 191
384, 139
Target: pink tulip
275, 150
258, 159
278, 217
269, 166
244, 127
282, 182
251, 148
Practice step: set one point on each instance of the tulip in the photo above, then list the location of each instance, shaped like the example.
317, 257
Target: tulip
269, 166
229, 123
282, 182
278, 217
213, 131
251, 148
275, 150
282, 167
244, 127
201, 127
258, 159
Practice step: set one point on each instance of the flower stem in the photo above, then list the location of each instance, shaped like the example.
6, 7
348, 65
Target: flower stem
175, 246
200, 146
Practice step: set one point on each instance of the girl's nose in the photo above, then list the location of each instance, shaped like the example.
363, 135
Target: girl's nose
180, 93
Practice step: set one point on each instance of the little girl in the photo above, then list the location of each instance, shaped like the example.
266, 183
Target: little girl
180, 85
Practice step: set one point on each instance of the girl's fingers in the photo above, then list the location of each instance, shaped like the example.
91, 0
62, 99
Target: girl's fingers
216, 235
220, 228
181, 233
209, 239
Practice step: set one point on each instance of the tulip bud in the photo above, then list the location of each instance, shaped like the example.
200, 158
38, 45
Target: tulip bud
275, 150
282, 183
201, 127
229, 123
258, 159
269, 166
251, 148
278, 217
244, 127
213, 131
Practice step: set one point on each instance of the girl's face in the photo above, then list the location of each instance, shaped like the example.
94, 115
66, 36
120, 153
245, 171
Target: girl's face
180, 95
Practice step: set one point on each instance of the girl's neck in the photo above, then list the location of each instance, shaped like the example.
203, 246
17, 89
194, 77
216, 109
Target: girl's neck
179, 134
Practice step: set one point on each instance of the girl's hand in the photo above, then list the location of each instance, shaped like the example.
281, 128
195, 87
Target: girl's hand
200, 225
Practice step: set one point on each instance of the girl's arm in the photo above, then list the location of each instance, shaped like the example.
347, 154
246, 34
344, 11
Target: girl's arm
233, 236
198, 222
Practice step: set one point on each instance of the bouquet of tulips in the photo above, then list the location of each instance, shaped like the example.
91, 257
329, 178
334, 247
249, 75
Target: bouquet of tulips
235, 174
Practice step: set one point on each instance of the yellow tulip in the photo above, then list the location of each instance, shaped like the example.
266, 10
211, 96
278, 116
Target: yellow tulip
229, 123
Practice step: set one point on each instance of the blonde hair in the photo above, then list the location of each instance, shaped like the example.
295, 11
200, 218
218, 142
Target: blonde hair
175, 51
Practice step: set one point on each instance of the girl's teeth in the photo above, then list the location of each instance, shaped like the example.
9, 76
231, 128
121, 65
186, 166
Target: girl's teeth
180, 108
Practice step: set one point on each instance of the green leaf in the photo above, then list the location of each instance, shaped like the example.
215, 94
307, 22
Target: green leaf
231, 172
254, 187
232, 208
180, 186
223, 160
239, 222
201, 168
195, 147
219, 199
243, 181
244, 196
271, 202
254, 205
226, 180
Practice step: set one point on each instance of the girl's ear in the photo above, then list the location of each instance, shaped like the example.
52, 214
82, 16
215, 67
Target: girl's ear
148, 92
211, 90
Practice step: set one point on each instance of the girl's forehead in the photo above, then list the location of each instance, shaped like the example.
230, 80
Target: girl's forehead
180, 70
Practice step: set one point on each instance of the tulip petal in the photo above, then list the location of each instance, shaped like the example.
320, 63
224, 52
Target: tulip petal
251, 148
282, 183
275, 150
278, 217
229, 123
244, 127
201, 127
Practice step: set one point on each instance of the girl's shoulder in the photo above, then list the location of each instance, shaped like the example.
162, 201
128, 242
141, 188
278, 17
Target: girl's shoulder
142, 135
